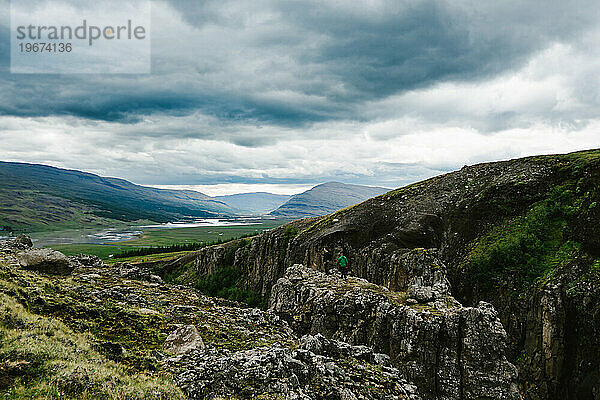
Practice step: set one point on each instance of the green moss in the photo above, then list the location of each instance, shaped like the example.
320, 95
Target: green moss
526, 248
290, 233
425, 307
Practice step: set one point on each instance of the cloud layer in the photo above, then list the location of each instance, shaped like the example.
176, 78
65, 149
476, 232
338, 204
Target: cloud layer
269, 92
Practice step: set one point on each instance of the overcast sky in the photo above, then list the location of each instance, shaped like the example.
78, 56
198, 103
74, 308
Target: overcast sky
294, 93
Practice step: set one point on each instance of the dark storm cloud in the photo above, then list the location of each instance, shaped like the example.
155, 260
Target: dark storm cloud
313, 61
398, 46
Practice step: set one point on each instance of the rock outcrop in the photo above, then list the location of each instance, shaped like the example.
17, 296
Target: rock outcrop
129, 271
446, 350
552, 322
317, 369
21, 242
362, 341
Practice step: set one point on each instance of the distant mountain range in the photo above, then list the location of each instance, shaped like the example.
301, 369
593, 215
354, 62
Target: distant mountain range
44, 197
255, 203
326, 198
40, 197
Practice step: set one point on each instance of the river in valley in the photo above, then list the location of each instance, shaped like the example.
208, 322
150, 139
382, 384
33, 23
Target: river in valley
107, 235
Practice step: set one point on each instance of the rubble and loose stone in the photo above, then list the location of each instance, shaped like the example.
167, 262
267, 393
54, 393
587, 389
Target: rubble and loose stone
318, 369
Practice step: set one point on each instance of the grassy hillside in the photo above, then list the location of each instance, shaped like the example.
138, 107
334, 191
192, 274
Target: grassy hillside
39, 197
42, 358
96, 335
325, 199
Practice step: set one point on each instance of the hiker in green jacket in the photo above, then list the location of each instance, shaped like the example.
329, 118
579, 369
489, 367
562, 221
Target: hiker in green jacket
342, 263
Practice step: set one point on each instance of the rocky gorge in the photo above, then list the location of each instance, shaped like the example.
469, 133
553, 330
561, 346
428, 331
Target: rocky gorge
323, 336
521, 235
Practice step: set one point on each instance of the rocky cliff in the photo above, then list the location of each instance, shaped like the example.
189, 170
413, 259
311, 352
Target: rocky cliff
446, 350
521, 235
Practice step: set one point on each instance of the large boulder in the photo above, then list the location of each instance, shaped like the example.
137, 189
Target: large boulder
183, 339
46, 261
23, 241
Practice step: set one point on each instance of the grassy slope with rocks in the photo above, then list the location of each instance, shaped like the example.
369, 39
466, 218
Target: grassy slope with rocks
98, 333
42, 358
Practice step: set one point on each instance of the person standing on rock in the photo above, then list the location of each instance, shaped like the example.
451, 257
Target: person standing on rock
342, 263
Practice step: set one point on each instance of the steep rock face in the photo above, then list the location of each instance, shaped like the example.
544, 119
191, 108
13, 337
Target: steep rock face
262, 259
448, 351
554, 334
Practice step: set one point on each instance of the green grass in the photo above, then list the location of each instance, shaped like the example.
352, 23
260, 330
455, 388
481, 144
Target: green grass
100, 250
41, 358
165, 237
34, 211
224, 284
526, 248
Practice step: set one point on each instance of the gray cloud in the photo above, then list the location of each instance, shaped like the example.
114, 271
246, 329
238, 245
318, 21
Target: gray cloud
295, 63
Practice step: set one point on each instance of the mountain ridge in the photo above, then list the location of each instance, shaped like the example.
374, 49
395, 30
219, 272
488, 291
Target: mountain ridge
326, 198
42, 197
54, 197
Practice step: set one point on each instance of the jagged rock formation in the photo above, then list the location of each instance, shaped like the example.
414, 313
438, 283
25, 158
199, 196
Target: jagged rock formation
521, 235
448, 351
317, 369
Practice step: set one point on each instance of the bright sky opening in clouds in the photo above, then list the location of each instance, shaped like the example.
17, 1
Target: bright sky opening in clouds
223, 189
280, 96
